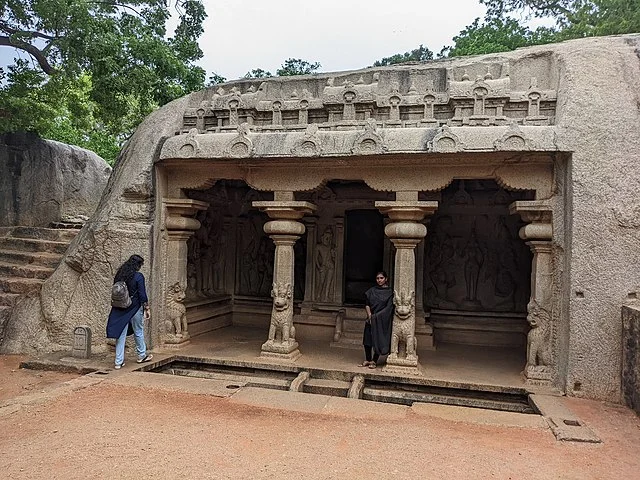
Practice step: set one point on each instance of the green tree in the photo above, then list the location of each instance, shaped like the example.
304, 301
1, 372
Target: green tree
495, 34
215, 79
258, 73
296, 66
576, 18
113, 57
420, 54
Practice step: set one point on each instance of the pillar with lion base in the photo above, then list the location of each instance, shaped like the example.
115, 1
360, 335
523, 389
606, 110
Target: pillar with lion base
284, 229
538, 235
180, 225
405, 231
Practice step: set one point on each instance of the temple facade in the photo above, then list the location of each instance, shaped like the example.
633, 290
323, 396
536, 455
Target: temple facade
498, 191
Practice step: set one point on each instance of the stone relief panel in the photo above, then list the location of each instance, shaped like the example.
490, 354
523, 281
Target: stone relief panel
474, 259
325, 265
212, 250
482, 94
255, 256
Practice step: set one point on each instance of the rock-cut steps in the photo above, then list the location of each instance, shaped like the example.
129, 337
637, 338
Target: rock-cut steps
28, 256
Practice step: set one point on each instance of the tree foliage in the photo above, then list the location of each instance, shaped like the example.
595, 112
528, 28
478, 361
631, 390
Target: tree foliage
576, 18
497, 34
258, 73
114, 55
296, 66
419, 54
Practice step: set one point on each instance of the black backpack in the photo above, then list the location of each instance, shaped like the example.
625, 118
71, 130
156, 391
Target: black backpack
120, 295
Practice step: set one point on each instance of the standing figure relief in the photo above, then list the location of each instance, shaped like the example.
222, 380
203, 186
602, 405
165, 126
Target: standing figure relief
325, 264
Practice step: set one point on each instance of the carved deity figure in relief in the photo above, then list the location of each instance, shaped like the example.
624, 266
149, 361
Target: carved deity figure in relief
539, 337
404, 325
439, 262
176, 312
281, 329
474, 258
325, 264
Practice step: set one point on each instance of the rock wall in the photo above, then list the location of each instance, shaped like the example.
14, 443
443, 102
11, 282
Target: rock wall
42, 181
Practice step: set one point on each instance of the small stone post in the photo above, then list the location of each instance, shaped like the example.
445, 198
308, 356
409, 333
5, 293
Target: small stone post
81, 342
405, 231
284, 229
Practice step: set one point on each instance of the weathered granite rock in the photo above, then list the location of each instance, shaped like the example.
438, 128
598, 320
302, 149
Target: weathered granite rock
398, 129
42, 181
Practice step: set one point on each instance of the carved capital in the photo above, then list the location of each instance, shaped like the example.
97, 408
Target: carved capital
179, 215
285, 210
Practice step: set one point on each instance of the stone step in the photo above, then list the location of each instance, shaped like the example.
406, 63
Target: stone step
19, 285
25, 271
42, 259
52, 234
321, 386
8, 299
33, 245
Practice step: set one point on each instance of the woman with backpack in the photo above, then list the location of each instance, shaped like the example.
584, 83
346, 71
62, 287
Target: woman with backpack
130, 308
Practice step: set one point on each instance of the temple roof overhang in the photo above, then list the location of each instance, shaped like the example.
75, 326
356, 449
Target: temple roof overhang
364, 139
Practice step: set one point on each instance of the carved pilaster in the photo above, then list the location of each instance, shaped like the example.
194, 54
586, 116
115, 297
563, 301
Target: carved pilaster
311, 225
180, 225
405, 232
284, 230
538, 234
339, 290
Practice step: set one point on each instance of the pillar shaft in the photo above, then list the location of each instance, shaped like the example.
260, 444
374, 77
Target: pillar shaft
405, 231
284, 230
179, 226
538, 234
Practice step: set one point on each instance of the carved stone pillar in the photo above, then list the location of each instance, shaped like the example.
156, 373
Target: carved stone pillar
284, 230
405, 232
538, 234
180, 225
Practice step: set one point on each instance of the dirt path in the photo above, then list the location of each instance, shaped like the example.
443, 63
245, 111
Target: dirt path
16, 381
108, 430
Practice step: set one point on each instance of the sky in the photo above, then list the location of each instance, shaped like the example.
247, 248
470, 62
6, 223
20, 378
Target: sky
241, 35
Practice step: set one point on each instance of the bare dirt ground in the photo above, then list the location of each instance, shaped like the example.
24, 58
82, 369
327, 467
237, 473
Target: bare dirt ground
105, 430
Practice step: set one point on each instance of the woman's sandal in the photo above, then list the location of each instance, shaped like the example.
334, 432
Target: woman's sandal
364, 364
372, 365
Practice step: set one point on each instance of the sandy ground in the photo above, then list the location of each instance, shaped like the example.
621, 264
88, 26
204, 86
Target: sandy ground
102, 429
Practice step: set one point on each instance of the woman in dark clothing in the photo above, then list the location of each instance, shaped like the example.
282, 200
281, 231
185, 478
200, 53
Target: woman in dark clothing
377, 328
125, 321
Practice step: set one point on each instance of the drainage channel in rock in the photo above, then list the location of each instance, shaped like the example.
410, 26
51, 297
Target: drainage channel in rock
345, 384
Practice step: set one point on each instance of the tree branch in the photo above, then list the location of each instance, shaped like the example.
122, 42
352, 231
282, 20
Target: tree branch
31, 50
12, 31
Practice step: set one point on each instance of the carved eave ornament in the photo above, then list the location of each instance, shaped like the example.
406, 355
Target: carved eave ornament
190, 147
240, 146
514, 139
309, 145
445, 141
369, 142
